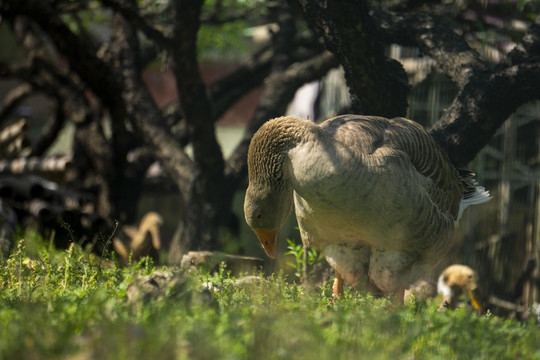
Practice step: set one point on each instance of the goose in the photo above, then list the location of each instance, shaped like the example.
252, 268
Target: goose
377, 197
457, 280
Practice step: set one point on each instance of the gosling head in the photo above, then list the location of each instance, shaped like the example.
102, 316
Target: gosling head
456, 280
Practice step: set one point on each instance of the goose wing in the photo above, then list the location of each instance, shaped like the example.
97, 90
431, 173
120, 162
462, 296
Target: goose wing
375, 135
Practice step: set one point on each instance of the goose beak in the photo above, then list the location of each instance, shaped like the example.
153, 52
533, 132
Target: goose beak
474, 301
268, 239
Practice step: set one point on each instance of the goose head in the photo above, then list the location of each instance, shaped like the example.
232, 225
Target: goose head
269, 196
456, 280
266, 208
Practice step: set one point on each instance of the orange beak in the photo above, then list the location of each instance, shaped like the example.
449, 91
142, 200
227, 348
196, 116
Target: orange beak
268, 239
475, 301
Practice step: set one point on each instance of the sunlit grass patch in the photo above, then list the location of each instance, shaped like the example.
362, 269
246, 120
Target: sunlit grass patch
74, 304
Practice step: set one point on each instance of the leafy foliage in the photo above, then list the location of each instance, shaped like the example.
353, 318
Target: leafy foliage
304, 258
228, 23
224, 41
73, 304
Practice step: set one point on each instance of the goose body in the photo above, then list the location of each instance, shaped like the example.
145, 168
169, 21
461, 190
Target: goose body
378, 197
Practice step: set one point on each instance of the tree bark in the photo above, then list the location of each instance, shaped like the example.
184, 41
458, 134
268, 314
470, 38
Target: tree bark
207, 200
487, 95
378, 85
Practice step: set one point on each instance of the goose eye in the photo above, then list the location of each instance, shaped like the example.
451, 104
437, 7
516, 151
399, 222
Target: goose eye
258, 217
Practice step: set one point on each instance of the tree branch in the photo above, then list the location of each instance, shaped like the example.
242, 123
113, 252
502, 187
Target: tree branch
229, 89
224, 92
192, 92
131, 13
482, 107
81, 55
144, 113
486, 98
530, 46
13, 98
378, 85
450, 51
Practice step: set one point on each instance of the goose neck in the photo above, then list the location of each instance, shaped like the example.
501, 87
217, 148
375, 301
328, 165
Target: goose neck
270, 145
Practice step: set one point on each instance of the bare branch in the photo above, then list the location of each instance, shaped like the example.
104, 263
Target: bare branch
482, 107
82, 55
530, 46
226, 91
13, 99
36, 165
143, 112
378, 85
12, 138
192, 92
132, 14
450, 51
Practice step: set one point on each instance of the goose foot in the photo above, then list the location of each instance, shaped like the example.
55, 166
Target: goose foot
337, 288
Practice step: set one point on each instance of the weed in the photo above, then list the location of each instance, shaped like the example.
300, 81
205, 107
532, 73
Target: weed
72, 304
304, 258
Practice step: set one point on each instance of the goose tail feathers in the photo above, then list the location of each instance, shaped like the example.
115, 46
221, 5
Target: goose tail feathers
474, 194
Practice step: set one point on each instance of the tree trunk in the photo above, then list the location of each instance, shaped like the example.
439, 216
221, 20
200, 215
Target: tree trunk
202, 220
377, 85
203, 202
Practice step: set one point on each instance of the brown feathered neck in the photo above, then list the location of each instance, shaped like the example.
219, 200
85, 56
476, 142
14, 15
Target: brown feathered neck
271, 143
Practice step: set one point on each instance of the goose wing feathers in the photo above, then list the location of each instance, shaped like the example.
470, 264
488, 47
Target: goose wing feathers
377, 137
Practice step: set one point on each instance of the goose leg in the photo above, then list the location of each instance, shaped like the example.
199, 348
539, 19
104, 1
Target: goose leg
349, 265
390, 270
337, 288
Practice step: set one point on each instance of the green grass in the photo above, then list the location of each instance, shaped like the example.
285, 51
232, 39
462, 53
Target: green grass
73, 305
